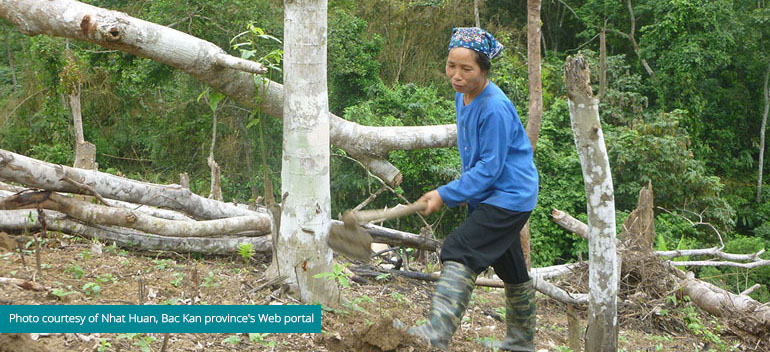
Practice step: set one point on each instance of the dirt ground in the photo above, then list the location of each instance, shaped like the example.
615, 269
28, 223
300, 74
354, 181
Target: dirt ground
72, 268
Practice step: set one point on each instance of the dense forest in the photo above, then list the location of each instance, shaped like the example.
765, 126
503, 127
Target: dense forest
683, 108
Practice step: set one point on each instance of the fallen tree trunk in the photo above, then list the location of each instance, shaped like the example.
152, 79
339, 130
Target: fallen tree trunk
742, 311
111, 216
21, 220
211, 65
39, 174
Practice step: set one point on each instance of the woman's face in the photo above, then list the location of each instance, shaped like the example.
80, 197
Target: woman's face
464, 73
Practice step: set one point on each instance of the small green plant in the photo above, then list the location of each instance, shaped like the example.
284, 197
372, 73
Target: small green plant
258, 338
76, 270
105, 278
563, 349
178, 278
382, 277
85, 254
104, 344
487, 340
140, 340
60, 293
338, 274
233, 340
111, 248
246, 251
399, 297
210, 281
170, 302
501, 311
92, 289
162, 264
699, 329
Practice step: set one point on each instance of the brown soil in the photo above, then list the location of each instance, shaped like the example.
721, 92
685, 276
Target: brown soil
363, 325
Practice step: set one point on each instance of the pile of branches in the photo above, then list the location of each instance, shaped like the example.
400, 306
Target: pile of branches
652, 282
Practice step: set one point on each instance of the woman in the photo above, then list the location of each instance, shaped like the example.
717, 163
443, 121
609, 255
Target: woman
499, 184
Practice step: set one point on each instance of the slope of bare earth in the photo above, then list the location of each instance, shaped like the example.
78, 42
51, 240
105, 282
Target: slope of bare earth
364, 324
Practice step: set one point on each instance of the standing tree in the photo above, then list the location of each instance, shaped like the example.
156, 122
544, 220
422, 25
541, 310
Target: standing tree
535, 95
602, 332
301, 247
766, 95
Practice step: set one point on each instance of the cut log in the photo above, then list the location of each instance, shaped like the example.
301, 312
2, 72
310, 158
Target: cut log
90, 213
39, 174
20, 220
742, 311
569, 223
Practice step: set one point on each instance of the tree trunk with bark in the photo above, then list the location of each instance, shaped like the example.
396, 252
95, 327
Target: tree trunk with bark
211, 65
90, 213
306, 206
762, 135
215, 192
476, 13
27, 220
602, 62
10, 60
535, 97
39, 174
602, 334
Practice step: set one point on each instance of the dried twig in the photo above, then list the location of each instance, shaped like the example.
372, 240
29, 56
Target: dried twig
41, 218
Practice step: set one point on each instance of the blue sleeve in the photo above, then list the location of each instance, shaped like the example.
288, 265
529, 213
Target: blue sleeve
494, 136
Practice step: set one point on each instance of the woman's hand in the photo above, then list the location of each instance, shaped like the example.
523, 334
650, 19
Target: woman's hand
433, 198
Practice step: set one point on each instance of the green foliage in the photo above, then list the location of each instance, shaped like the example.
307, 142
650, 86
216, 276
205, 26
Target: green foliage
338, 274
246, 251
92, 289
139, 340
352, 60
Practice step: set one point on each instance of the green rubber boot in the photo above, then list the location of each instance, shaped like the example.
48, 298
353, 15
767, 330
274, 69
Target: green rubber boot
453, 291
519, 319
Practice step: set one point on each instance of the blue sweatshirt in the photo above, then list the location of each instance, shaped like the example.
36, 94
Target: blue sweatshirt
495, 153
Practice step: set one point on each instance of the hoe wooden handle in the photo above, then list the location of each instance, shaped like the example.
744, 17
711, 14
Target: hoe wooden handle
354, 218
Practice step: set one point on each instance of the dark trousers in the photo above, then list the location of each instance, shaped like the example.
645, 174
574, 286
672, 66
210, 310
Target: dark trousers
490, 236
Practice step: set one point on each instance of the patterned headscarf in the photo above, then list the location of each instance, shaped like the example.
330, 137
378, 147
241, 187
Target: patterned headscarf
477, 39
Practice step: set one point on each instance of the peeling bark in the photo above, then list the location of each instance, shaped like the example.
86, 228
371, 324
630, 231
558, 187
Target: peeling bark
211, 65
602, 334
